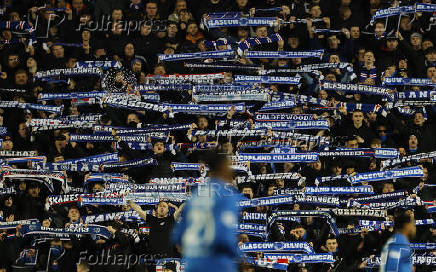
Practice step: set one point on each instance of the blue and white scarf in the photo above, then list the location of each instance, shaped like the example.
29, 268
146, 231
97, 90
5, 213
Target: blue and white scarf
221, 87
339, 190
358, 88
163, 87
65, 96
267, 79
198, 55
389, 81
93, 71
293, 125
99, 64
242, 21
282, 117
278, 158
276, 247
407, 172
205, 108
283, 54
301, 258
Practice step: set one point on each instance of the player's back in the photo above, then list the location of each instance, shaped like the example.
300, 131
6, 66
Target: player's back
396, 255
207, 230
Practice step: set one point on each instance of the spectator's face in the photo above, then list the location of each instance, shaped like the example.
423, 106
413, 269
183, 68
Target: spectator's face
145, 30
159, 70
22, 130
241, 3
431, 72
287, 166
7, 145
7, 34
418, 119
431, 56
60, 144
415, 41
13, 61
293, 42
184, 15
34, 192
402, 64
46, 223
317, 165
73, 215
280, 183
337, 170
387, 188
159, 148
405, 24
132, 118
151, 9
227, 148
322, 94
427, 44
413, 142
117, 14
379, 29
355, 32
8, 202
242, 34
21, 78
77, 4
14, 16
129, 50
369, 57
98, 187
352, 144
331, 245
299, 232
192, 29
162, 209
30, 62
271, 190
346, 14
261, 32
315, 12
357, 118
117, 29
381, 130
333, 42
172, 30
203, 123
334, 59
58, 51
330, 77
86, 35
248, 192
392, 44
180, 5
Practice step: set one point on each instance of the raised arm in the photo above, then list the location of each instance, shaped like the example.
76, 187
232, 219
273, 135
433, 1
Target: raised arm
138, 209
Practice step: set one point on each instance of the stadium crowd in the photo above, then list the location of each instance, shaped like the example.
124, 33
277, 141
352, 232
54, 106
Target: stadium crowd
109, 108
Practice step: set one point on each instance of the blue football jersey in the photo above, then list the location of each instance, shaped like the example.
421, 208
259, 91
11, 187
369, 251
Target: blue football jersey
396, 255
207, 230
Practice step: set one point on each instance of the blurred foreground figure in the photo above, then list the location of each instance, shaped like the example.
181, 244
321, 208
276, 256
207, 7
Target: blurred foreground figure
207, 231
396, 254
